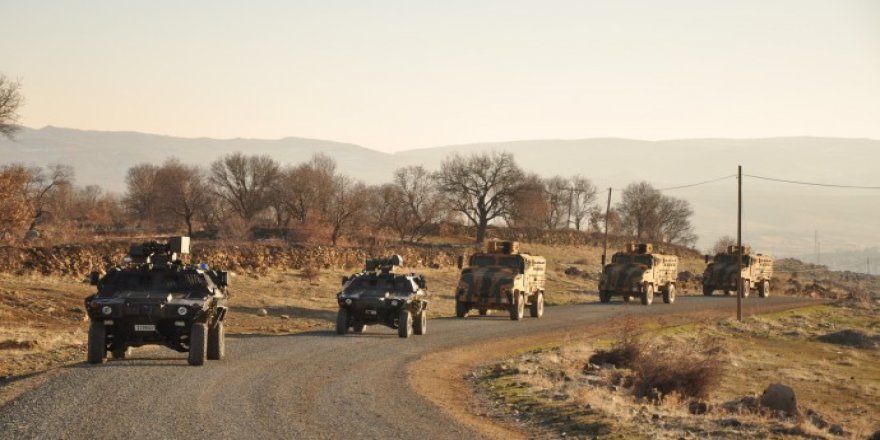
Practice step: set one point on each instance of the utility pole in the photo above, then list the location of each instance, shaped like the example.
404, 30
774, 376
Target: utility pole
739, 243
605, 246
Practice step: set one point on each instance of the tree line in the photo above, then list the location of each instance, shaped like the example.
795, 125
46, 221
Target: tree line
238, 195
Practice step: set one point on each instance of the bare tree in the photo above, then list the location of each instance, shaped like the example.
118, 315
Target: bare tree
42, 186
245, 182
142, 193
10, 101
722, 244
480, 186
647, 214
184, 193
582, 201
15, 211
420, 202
347, 205
529, 207
303, 191
558, 195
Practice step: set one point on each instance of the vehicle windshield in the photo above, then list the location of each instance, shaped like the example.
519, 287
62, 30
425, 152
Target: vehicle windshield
731, 259
509, 261
646, 260
377, 286
153, 281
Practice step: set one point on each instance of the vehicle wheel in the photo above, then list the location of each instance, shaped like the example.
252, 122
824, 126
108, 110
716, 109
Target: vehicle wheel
518, 308
648, 294
217, 342
405, 324
707, 290
420, 326
198, 343
764, 289
669, 294
97, 350
342, 319
605, 296
626, 298
537, 307
120, 353
359, 327
461, 309
484, 312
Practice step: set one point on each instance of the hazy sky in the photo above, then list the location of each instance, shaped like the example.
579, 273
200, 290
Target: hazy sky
400, 74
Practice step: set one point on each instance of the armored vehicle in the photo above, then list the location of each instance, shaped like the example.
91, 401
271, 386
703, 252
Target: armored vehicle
501, 278
722, 273
639, 271
377, 295
154, 298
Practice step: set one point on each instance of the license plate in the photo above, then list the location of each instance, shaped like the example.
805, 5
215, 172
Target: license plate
370, 312
144, 328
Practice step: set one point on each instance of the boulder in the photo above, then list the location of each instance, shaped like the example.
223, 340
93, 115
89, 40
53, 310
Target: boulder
780, 397
262, 312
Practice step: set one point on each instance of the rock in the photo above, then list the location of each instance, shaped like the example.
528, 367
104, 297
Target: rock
730, 423
816, 419
284, 316
655, 416
262, 312
780, 397
573, 271
836, 430
698, 407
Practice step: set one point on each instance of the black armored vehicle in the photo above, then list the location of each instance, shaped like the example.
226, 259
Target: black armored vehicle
376, 295
154, 298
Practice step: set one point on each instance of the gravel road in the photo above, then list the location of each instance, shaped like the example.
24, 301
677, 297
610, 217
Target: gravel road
309, 386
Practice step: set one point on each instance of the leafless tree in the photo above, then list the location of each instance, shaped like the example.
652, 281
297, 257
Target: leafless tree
15, 211
419, 202
347, 205
184, 192
10, 101
529, 207
481, 186
559, 198
647, 214
245, 182
722, 244
582, 200
44, 183
304, 190
142, 193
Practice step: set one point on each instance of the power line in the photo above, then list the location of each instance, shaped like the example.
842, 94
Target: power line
698, 183
829, 185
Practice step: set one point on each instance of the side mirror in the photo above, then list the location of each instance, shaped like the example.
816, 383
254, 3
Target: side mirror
603, 260
459, 262
94, 278
344, 280
223, 278
421, 282
706, 258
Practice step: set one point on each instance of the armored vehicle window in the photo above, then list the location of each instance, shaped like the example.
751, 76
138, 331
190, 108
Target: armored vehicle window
153, 281
483, 260
647, 260
621, 259
512, 262
732, 259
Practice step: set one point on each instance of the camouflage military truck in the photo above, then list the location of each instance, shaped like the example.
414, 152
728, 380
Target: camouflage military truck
153, 298
639, 271
376, 295
501, 278
721, 273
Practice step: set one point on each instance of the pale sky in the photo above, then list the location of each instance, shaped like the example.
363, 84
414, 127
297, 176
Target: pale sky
394, 75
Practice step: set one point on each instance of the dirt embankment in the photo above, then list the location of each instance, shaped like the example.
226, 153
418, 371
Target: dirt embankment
76, 261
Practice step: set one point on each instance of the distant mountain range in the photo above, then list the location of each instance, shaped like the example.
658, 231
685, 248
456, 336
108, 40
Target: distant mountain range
779, 218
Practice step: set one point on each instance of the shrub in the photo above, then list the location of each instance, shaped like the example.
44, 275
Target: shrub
693, 370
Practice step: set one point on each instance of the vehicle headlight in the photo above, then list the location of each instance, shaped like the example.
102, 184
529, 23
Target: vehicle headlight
182, 310
394, 303
106, 310
348, 301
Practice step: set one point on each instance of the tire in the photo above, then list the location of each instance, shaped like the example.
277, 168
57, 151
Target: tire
405, 324
728, 292
708, 290
198, 343
360, 327
342, 322
669, 294
764, 289
217, 342
648, 295
120, 353
461, 309
97, 349
604, 296
536, 310
626, 298
484, 312
518, 308
420, 325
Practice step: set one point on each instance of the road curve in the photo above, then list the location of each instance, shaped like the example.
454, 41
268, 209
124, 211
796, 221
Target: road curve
308, 386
